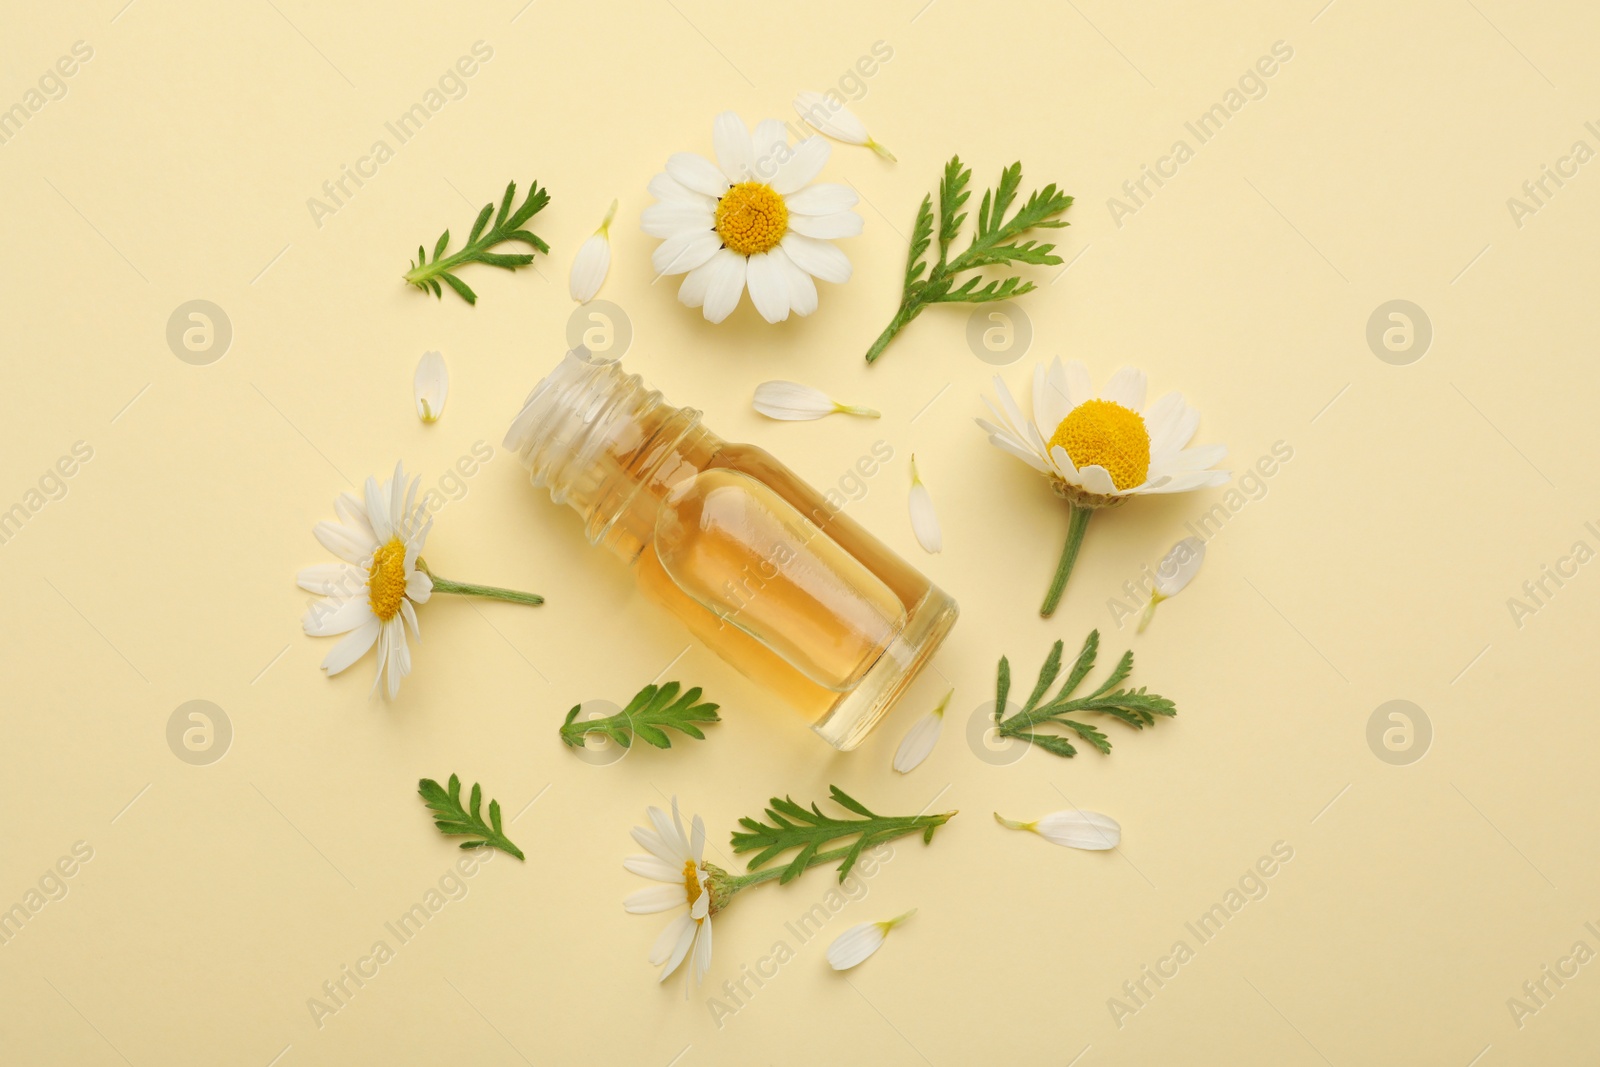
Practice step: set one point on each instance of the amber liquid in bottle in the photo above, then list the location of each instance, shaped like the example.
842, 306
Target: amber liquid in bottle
756, 563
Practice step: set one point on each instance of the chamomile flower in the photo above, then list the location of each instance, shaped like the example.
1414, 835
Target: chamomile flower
750, 220
370, 597
678, 860
1098, 450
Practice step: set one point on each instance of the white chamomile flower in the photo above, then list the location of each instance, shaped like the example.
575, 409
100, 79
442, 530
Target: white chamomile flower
862, 940
829, 115
794, 402
1075, 829
431, 386
593, 261
370, 596
750, 220
924, 521
921, 738
677, 859
1177, 569
1098, 450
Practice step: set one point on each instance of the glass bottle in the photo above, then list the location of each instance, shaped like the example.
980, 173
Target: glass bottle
755, 562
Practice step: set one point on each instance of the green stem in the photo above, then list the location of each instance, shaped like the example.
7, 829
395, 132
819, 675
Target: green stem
492, 592
909, 309
1069, 556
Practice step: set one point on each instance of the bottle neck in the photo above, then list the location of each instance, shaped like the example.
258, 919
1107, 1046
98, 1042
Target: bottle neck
607, 446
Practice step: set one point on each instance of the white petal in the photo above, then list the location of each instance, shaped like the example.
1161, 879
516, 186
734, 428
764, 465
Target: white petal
1079, 385
394, 633
724, 286
794, 402
666, 187
655, 898
919, 741
702, 953
692, 293
802, 165
1006, 443
768, 142
824, 198
1171, 423
802, 290
377, 504
328, 618
589, 268
662, 850
419, 587
409, 613
685, 250
338, 580
817, 258
1179, 566
697, 840
1096, 479
731, 140
1080, 829
826, 227
686, 938
654, 867
668, 830
430, 386
1199, 458
833, 119
353, 513
1184, 481
349, 544
674, 216
1051, 401
679, 931
924, 521
1127, 388
352, 646
769, 291
697, 173
855, 945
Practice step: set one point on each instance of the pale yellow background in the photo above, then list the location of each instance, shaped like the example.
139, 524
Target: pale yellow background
1377, 566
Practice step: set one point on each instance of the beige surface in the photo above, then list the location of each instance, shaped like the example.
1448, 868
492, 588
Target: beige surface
1376, 566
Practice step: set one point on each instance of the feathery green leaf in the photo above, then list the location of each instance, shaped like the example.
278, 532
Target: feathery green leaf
452, 819
651, 709
996, 241
425, 275
1133, 707
790, 826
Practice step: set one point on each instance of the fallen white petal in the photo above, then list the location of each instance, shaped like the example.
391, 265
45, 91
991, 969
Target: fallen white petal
924, 521
836, 120
593, 262
1075, 829
1179, 566
431, 386
921, 738
794, 402
862, 940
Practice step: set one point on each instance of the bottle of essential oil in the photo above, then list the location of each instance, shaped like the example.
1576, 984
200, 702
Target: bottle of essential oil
753, 560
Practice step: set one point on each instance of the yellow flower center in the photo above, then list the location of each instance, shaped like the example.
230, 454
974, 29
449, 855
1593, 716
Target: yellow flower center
1105, 434
691, 881
751, 218
386, 579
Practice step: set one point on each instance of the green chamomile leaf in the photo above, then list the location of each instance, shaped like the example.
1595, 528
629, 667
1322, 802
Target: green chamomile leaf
997, 241
453, 819
791, 826
508, 226
1133, 707
647, 716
